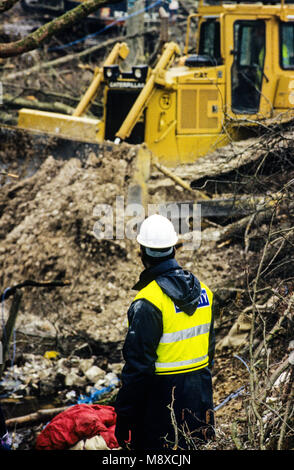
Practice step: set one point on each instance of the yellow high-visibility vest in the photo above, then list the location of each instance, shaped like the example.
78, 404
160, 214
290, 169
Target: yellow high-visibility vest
183, 346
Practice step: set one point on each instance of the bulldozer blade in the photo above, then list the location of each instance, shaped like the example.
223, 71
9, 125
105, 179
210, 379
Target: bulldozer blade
84, 128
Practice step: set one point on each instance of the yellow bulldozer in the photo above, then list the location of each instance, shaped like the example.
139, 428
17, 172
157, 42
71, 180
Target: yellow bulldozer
237, 71
235, 76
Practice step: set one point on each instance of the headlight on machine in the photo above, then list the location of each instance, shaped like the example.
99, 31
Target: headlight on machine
111, 72
140, 72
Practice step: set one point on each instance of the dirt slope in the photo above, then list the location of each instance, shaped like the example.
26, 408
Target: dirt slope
46, 234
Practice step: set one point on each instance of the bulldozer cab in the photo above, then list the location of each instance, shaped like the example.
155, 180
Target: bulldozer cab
255, 42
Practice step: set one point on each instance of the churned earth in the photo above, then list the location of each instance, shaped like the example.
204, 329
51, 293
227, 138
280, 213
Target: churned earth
47, 223
48, 216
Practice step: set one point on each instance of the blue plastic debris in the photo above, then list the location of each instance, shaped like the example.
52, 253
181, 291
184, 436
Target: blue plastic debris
97, 393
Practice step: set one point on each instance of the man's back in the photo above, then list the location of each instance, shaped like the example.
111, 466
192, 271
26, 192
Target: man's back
168, 347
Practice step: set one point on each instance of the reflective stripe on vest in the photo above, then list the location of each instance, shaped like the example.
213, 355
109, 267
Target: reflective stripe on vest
183, 346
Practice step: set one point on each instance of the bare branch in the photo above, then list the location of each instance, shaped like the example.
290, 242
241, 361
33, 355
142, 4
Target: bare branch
35, 39
73, 57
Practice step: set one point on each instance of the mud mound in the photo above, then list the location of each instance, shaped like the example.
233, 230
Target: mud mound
47, 222
46, 233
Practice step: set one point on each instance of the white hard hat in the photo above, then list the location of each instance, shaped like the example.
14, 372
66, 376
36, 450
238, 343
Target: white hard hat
157, 232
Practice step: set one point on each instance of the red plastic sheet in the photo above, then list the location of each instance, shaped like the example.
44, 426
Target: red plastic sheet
79, 422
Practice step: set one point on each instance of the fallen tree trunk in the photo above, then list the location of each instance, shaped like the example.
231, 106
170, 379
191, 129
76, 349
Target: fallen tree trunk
19, 102
33, 417
259, 210
237, 228
48, 94
240, 155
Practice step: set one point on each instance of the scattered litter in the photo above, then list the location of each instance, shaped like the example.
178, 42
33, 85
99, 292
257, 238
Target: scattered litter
41, 376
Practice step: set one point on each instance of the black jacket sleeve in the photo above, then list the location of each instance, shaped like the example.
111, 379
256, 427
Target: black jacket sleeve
211, 346
139, 352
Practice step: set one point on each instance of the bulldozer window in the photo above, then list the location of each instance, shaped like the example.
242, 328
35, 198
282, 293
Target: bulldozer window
209, 41
287, 45
247, 70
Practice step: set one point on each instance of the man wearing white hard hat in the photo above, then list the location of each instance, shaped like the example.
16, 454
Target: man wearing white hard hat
168, 350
